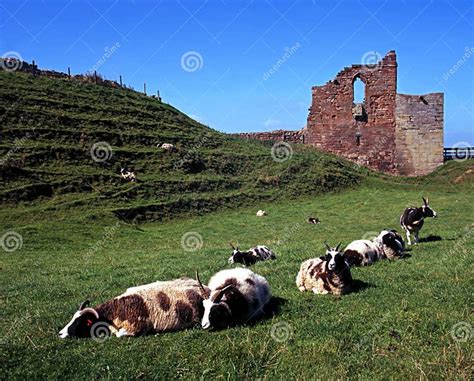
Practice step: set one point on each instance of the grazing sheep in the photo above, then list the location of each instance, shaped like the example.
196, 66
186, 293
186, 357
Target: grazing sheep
127, 175
155, 307
412, 219
314, 220
261, 213
236, 296
168, 147
251, 256
388, 244
329, 274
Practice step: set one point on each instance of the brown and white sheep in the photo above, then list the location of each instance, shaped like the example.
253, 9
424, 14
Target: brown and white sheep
329, 274
156, 307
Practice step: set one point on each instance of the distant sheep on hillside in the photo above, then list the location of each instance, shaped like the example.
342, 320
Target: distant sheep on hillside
261, 213
167, 147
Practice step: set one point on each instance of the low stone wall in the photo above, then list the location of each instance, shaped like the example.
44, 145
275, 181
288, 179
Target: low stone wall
277, 135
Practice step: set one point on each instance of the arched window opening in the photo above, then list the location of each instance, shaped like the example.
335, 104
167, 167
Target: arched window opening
359, 91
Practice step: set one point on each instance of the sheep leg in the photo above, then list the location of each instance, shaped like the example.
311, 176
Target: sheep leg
123, 332
416, 238
408, 237
320, 292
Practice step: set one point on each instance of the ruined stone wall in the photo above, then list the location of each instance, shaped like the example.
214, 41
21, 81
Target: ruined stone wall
277, 135
419, 133
335, 123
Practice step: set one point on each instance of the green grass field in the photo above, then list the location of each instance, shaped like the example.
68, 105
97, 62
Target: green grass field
62, 242
409, 321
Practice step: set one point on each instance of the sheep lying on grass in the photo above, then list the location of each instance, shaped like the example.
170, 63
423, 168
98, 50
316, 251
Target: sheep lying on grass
329, 274
236, 296
251, 256
152, 308
388, 244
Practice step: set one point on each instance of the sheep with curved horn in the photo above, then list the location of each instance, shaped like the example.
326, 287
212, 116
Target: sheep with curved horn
151, 308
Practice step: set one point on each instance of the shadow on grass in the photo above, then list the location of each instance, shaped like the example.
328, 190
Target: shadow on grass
273, 307
359, 285
431, 238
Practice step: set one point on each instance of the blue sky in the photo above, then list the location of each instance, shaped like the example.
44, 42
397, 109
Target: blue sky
212, 59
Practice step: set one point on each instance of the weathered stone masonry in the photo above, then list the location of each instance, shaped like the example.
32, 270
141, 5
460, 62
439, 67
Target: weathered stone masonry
394, 133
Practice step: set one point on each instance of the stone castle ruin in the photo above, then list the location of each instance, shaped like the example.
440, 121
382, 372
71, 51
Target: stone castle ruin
395, 133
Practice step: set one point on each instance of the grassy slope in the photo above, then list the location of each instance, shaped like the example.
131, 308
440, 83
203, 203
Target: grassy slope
73, 247
399, 326
65, 118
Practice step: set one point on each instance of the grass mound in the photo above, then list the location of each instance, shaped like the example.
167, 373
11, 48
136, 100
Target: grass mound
66, 141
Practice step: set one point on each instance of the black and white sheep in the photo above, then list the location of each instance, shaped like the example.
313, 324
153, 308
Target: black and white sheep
236, 296
128, 175
329, 274
155, 307
363, 252
251, 256
412, 219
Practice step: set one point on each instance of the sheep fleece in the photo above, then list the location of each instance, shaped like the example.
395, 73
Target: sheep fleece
157, 307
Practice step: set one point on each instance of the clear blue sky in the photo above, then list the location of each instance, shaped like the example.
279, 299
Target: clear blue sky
239, 41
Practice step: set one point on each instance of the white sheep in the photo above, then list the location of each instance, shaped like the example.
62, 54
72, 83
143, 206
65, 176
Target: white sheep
236, 296
388, 244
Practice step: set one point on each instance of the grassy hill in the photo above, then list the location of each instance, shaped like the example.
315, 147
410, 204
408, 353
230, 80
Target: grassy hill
412, 319
52, 130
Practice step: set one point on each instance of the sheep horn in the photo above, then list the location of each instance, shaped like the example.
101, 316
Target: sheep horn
337, 247
84, 304
327, 246
221, 292
232, 246
91, 310
204, 292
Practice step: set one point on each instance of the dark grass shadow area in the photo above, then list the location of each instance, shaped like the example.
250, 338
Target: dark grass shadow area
431, 238
359, 285
273, 307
